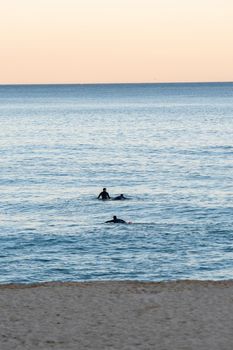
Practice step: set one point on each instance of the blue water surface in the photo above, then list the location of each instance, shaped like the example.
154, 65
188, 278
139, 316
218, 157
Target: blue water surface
168, 147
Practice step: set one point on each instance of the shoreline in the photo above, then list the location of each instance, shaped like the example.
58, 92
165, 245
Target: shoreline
13, 285
185, 314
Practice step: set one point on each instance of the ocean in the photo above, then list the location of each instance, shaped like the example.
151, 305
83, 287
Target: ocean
167, 147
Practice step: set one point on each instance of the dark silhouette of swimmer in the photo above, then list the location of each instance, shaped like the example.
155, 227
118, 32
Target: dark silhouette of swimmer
104, 195
116, 221
120, 198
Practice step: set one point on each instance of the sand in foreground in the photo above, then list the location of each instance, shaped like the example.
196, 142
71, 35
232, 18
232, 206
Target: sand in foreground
117, 315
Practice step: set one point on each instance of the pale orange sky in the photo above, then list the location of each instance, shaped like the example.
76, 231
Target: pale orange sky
94, 41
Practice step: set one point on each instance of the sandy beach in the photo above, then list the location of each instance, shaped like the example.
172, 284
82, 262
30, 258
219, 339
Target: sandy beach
117, 315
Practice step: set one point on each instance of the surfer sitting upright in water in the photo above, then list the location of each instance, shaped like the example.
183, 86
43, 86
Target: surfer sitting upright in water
116, 221
104, 195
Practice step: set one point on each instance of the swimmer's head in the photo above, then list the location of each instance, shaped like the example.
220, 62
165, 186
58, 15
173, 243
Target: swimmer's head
104, 189
114, 217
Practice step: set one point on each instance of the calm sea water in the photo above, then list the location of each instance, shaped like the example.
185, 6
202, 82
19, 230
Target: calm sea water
168, 147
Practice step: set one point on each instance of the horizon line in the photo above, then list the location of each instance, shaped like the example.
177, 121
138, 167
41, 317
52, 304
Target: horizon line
121, 83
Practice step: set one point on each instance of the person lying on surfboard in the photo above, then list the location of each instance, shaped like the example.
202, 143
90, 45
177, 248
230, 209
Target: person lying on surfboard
115, 220
120, 198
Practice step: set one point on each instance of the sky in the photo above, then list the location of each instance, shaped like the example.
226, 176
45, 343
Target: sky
115, 41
